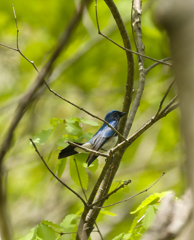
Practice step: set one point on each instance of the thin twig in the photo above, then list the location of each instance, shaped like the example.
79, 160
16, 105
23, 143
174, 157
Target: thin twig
126, 49
114, 191
29, 95
164, 97
17, 41
156, 64
72, 232
169, 104
15, 49
84, 110
134, 194
87, 149
147, 125
34, 145
56, 94
171, 108
132, 26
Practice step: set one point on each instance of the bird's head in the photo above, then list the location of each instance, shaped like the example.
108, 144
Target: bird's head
114, 116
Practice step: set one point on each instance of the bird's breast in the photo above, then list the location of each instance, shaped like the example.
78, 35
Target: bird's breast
110, 143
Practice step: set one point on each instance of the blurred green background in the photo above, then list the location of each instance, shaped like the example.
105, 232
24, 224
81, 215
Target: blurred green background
91, 72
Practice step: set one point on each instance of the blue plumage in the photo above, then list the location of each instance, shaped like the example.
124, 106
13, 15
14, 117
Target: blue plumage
103, 140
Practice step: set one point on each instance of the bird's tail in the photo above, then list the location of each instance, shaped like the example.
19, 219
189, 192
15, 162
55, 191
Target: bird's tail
68, 151
91, 158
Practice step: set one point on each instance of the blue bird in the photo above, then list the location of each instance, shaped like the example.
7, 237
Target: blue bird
103, 140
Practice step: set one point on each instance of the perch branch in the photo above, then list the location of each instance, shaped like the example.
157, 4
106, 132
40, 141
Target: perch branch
87, 149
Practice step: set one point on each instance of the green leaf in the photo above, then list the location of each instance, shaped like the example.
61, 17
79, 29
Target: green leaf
71, 138
42, 232
149, 217
67, 222
56, 167
134, 223
72, 120
74, 129
87, 136
151, 200
119, 237
61, 167
127, 236
53, 225
107, 212
82, 173
81, 157
31, 235
93, 167
89, 122
137, 220
45, 233
55, 122
42, 137
49, 156
61, 142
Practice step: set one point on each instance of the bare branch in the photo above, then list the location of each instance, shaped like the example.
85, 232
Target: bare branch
171, 108
126, 49
114, 191
133, 195
15, 49
56, 94
65, 185
27, 98
84, 110
156, 64
147, 125
165, 95
87, 149
168, 105
140, 48
130, 60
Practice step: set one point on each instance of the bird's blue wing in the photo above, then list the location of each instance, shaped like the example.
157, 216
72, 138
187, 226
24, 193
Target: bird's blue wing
100, 138
103, 135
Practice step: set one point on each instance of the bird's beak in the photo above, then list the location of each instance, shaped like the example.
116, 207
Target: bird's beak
123, 113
